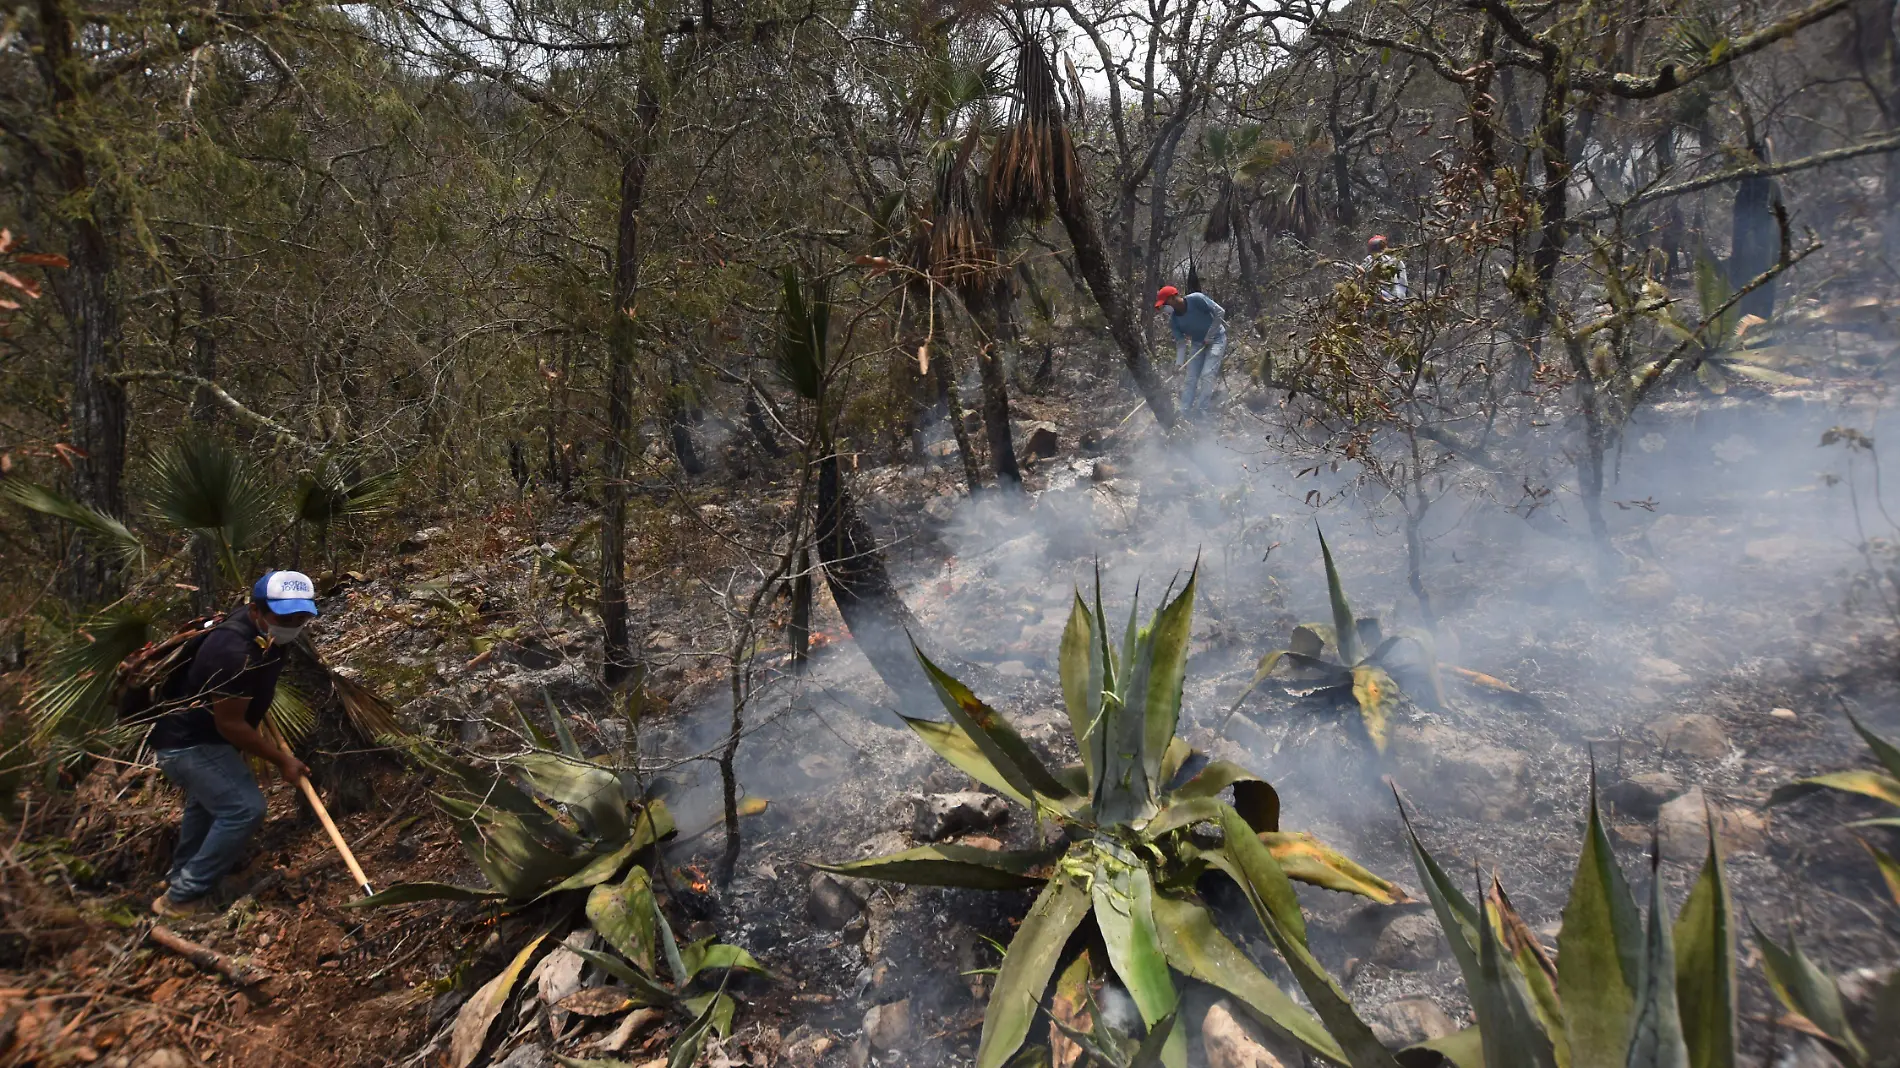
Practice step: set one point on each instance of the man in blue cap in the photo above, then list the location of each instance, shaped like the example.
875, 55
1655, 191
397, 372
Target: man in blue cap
200, 739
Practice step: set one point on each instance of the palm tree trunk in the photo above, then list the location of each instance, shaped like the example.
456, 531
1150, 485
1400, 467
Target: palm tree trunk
943, 366
1753, 247
1078, 218
989, 361
876, 615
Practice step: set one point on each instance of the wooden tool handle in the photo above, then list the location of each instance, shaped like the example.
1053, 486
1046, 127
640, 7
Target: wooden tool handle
336, 836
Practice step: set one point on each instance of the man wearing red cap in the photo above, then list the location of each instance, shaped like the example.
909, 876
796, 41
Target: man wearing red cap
1196, 317
1385, 272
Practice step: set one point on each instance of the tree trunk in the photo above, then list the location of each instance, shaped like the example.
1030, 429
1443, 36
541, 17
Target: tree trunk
1078, 218
1754, 240
1892, 235
1348, 215
88, 298
1239, 219
1160, 220
1596, 436
96, 410
989, 361
617, 638
943, 366
761, 430
876, 615
993, 370
1553, 200
798, 632
679, 419
204, 418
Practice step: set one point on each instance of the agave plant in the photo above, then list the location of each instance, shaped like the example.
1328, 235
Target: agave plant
551, 822
1125, 869
1623, 991
1363, 660
1729, 345
1882, 785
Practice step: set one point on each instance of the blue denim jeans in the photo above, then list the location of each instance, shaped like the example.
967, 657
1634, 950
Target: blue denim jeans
223, 807
1203, 374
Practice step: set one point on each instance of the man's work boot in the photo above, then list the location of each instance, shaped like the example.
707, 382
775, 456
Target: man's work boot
164, 907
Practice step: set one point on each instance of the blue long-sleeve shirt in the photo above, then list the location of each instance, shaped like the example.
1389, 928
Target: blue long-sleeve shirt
1199, 319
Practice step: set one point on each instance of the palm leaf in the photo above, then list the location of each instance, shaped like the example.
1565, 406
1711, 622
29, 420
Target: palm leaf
81, 677
804, 323
51, 502
290, 715
201, 485
331, 491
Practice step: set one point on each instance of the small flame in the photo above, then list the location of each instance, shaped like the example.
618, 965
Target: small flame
695, 878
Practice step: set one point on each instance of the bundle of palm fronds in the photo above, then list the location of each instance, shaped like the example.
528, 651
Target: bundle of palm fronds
1220, 219
1034, 167
1293, 212
955, 246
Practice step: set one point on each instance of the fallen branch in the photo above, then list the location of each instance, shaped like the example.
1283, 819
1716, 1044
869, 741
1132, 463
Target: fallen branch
231, 404
248, 978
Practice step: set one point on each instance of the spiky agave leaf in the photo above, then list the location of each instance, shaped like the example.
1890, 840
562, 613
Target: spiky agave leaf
1599, 950
81, 677
51, 502
1705, 964
1345, 625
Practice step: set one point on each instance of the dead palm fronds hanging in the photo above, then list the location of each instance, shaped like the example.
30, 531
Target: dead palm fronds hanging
955, 246
1034, 166
1293, 212
1220, 218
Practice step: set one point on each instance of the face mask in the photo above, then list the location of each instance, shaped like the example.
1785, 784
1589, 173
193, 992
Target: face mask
284, 635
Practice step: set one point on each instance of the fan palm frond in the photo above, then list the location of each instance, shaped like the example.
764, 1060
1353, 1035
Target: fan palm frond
290, 716
203, 486
75, 694
332, 490
956, 247
371, 714
51, 502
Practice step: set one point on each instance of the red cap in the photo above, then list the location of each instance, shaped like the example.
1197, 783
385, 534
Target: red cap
1166, 294
1375, 242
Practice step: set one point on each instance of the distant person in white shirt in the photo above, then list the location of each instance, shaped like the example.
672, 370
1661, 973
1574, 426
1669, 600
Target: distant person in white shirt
1385, 272
1195, 317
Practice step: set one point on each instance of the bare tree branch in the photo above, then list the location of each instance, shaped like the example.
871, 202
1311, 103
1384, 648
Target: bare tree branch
1890, 143
231, 404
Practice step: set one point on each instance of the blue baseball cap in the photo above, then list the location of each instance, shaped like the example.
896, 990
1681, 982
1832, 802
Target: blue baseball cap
286, 593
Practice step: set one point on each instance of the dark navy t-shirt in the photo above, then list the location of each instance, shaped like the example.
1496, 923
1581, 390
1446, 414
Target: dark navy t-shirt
234, 660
